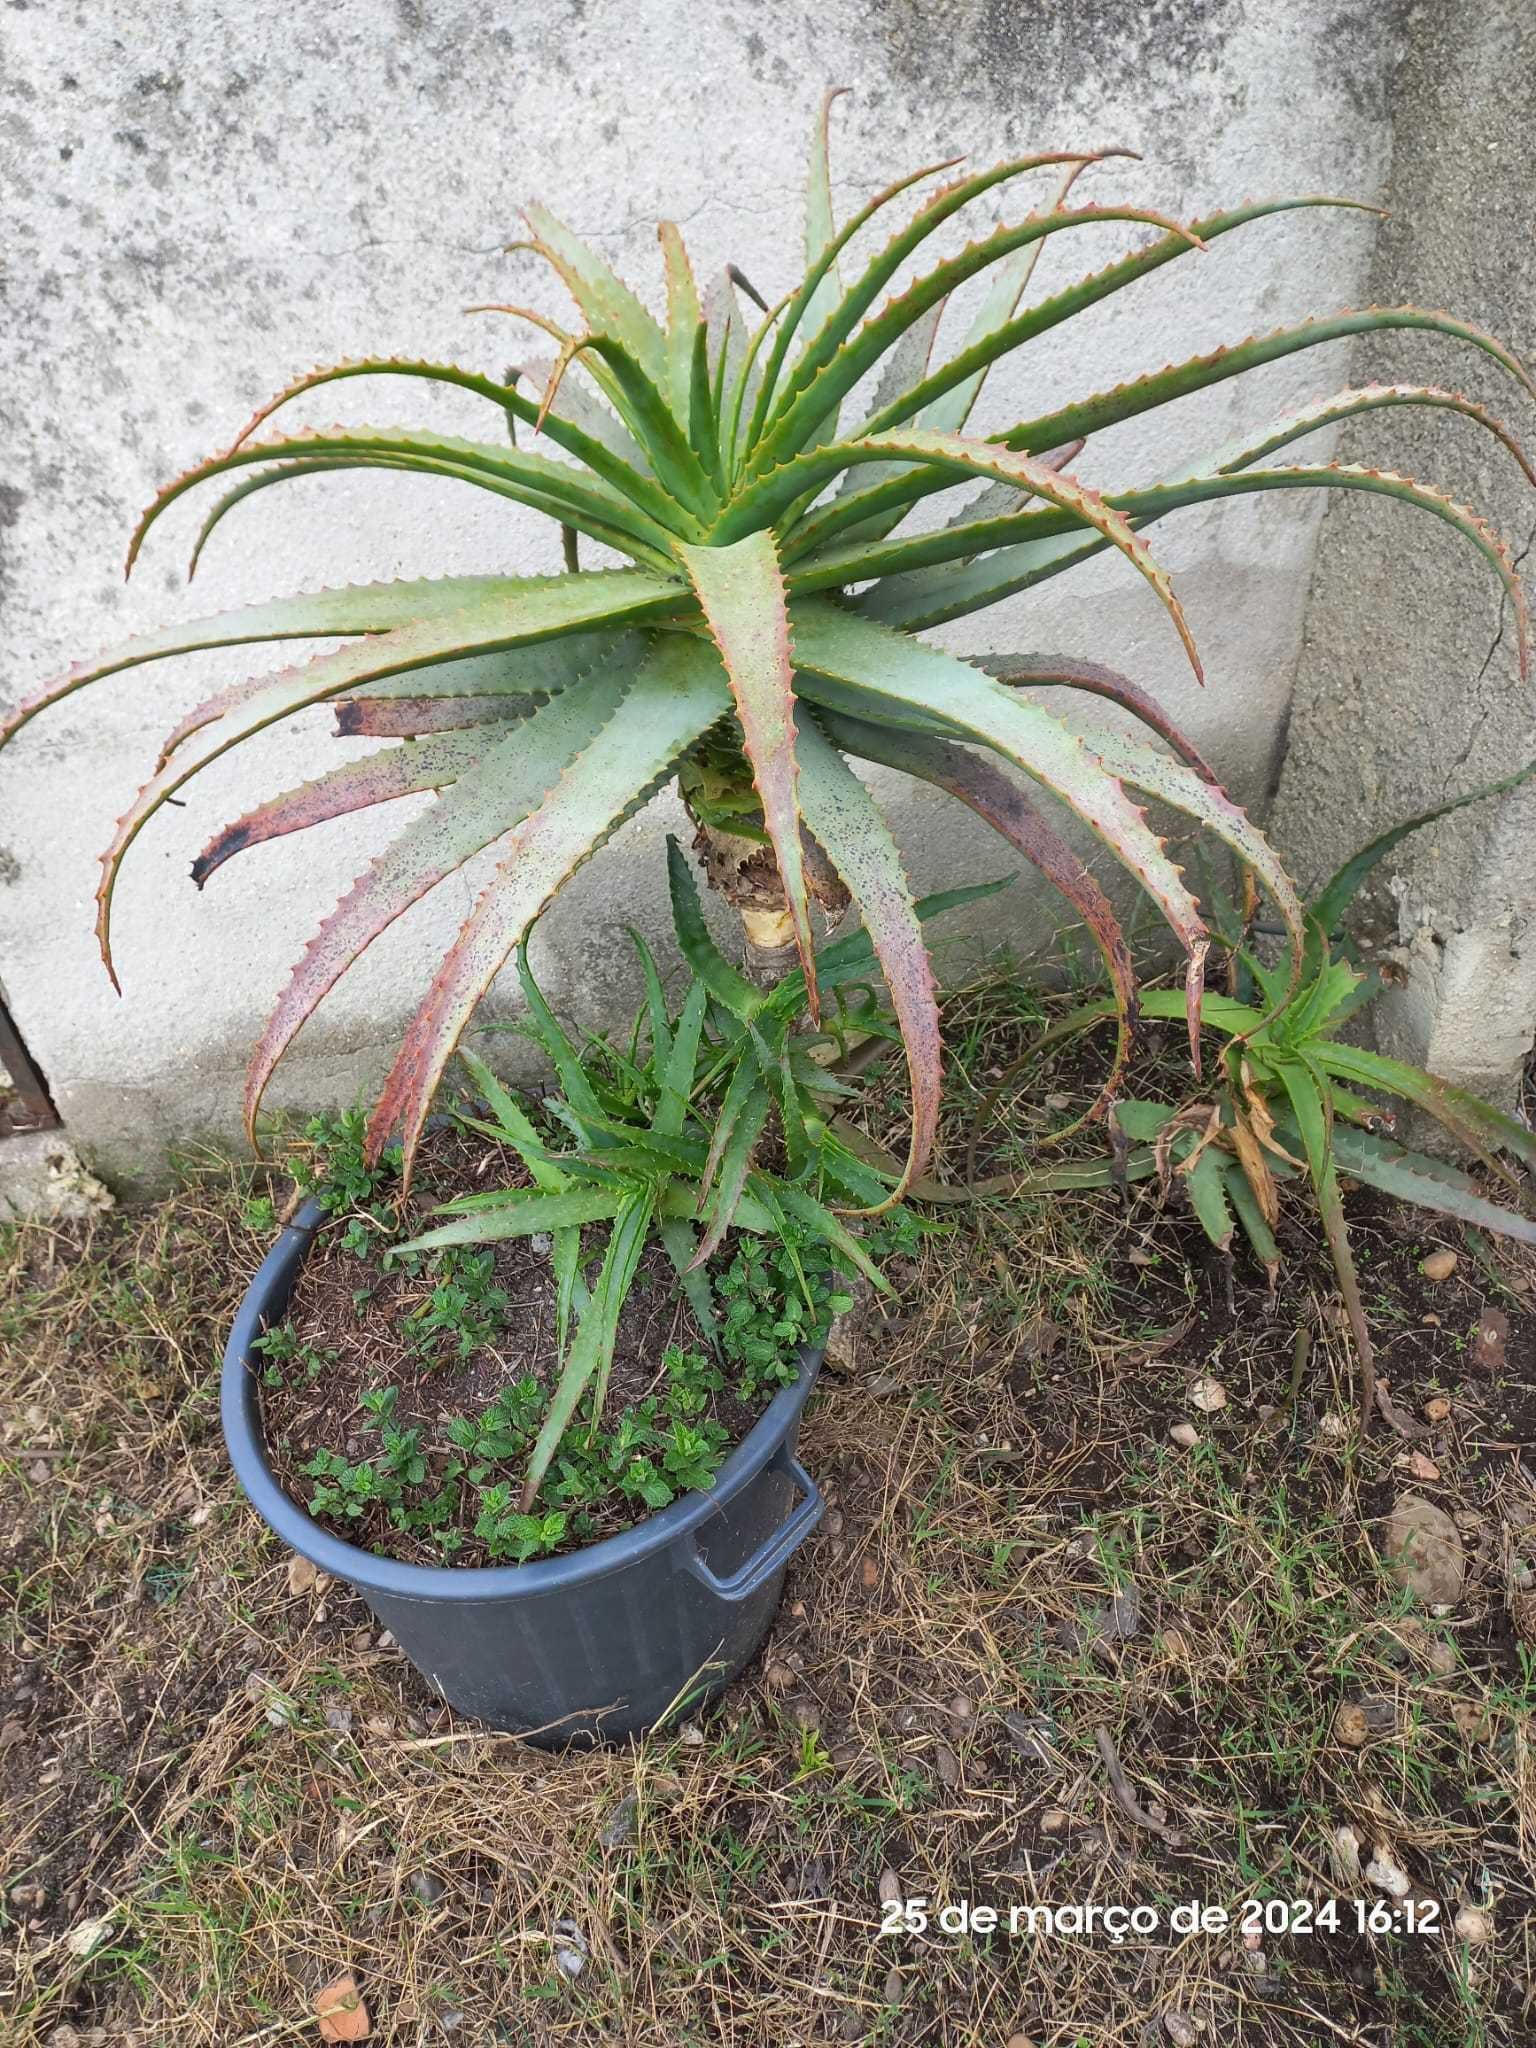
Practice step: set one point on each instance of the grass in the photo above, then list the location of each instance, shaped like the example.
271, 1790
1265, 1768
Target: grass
1020, 1578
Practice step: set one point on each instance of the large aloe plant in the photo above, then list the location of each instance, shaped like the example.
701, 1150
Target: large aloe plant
766, 631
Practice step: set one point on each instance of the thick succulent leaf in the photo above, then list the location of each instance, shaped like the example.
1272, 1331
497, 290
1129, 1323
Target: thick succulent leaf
833, 363
679, 1063
1430, 1183
1075, 502
677, 696
726, 984
518, 1219
1199, 373
1473, 1122
1256, 1225
847, 959
847, 821
1308, 1099
585, 501
1037, 671
1089, 291
903, 367
1339, 892
606, 302
679, 466
520, 611
684, 316
1207, 1187
820, 226
509, 780
949, 412
742, 592
786, 319
1176, 783
538, 669
322, 615
356, 785
571, 402
801, 1203
403, 718
913, 600
586, 431
978, 781
733, 1165
854, 665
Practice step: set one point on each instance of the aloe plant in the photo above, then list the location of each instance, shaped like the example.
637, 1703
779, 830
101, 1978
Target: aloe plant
1292, 1098
766, 630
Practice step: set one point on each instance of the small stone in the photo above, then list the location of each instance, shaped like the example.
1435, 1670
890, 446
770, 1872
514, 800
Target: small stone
1053, 1820
1059, 1103
38, 1472
808, 1715
946, 1765
1387, 1874
777, 1676
571, 1948
1208, 1395
1332, 1426
1137, 1257
1180, 2029
1437, 1410
1356, 1721
1184, 1434
1473, 1925
1346, 1853
892, 1890
88, 1936
427, 1886
892, 1987
833, 1524
301, 1575
1423, 1551
200, 1516
961, 1707
1438, 1266
869, 1574
883, 1385
691, 1735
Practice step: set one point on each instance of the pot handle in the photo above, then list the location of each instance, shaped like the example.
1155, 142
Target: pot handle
775, 1550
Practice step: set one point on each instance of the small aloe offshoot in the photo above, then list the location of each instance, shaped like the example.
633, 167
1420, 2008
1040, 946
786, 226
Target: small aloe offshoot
665, 1143
1291, 1099
765, 634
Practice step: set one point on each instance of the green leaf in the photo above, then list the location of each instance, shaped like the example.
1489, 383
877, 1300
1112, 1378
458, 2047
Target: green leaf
1208, 1197
487, 801
847, 821
1473, 1122
742, 592
1429, 1183
677, 696
513, 1121
724, 983
517, 1219
681, 1064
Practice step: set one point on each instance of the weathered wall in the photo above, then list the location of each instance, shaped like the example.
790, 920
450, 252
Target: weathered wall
1408, 690
212, 197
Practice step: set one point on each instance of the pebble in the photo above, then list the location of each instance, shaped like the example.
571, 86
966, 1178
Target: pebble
1184, 1434
1208, 1395
1438, 1266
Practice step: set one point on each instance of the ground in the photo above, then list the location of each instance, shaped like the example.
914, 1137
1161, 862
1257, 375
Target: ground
1040, 1653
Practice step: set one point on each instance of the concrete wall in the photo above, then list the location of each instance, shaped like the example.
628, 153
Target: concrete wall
1408, 690
215, 196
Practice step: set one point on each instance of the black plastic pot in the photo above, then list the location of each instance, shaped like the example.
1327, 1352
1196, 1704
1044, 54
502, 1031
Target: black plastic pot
639, 1628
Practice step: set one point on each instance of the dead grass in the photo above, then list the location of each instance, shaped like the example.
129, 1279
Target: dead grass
1019, 1570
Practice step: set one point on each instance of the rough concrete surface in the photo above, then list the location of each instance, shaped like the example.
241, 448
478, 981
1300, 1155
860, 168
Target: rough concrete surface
209, 198
1408, 690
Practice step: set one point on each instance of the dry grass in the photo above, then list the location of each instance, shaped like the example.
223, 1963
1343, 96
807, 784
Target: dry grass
257, 1794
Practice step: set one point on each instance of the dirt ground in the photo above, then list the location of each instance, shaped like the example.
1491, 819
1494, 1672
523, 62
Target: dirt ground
1041, 1654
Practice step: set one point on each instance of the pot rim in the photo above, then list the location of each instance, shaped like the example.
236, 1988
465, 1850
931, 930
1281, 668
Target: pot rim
240, 1408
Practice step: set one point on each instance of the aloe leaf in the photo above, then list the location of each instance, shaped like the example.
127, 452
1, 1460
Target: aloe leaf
547, 1031
585, 433
1143, 1121
519, 1219
677, 696
1339, 893
950, 411
898, 681
680, 1063
657, 1014
1307, 1093
734, 1167
684, 317
535, 479
487, 801
833, 363
591, 1354
787, 320
848, 958
605, 300
1176, 783
979, 782
739, 1090
1429, 1183
1255, 1225
848, 823
678, 465
1099, 285
534, 609
742, 592
1475, 1123
1208, 1198
1043, 671
820, 226
538, 669
724, 982
367, 608
1199, 373
804, 1205
377, 778
681, 1242
1076, 502
409, 718
572, 403
515, 1126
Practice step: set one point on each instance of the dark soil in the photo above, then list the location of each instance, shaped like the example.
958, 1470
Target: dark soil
360, 1309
